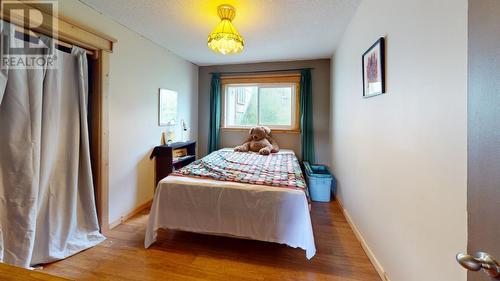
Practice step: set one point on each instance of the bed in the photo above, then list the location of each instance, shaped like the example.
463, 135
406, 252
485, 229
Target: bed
273, 209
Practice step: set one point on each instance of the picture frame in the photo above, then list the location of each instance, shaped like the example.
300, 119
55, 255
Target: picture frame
373, 66
167, 107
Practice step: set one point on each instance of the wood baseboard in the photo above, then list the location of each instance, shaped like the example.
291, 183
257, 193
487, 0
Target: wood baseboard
378, 267
131, 214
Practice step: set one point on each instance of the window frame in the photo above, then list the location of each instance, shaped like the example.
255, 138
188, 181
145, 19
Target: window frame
265, 80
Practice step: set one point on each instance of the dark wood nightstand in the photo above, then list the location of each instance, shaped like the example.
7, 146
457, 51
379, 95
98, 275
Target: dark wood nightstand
165, 162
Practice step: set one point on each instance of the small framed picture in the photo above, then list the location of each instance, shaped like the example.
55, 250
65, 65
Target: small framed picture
374, 69
167, 107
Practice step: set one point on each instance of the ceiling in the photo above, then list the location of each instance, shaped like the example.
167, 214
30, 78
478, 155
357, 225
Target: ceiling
274, 30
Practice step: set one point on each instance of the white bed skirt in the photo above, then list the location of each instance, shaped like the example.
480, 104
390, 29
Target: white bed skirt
272, 214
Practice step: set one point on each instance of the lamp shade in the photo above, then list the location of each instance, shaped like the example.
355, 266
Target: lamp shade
224, 38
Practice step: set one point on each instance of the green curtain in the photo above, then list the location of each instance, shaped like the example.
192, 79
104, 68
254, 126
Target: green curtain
306, 116
215, 113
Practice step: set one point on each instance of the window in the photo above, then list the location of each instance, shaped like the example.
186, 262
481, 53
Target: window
269, 101
242, 96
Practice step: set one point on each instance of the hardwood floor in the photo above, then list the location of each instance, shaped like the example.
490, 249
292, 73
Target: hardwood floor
14, 273
188, 256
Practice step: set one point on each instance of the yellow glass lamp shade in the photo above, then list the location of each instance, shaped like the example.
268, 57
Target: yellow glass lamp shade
224, 38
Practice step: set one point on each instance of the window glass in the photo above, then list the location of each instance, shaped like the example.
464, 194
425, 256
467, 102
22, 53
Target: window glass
241, 105
275, 106
266, 104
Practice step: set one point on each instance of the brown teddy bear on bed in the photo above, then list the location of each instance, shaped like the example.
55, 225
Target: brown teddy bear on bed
260, 141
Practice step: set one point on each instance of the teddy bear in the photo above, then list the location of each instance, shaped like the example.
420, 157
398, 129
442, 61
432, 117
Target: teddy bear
259, 140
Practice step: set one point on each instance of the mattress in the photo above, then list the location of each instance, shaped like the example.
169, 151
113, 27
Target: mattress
258, 212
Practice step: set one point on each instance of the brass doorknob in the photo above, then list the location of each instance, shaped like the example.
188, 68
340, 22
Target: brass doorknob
480, 260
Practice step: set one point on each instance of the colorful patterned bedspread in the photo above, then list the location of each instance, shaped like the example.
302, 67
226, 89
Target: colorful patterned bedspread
280, 170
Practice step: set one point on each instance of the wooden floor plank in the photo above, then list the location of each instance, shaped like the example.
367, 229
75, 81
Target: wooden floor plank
181, 255
13, 273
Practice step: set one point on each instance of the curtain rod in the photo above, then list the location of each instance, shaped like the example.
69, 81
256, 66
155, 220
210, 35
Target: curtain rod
261, 71
26, 33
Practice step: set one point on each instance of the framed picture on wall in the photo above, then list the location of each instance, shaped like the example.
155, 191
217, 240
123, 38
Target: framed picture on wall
374, 69
167, 107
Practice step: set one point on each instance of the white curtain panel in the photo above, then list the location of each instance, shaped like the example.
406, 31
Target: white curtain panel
47, 207
4, 37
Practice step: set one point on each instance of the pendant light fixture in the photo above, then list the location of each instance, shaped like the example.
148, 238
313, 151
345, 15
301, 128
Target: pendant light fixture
224, 38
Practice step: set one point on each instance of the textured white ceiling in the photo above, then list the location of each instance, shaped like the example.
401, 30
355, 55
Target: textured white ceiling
274, 30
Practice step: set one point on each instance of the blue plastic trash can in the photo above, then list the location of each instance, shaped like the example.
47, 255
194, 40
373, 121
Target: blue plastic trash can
320, 182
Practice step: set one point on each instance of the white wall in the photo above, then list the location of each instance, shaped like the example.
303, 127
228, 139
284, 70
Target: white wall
138, 68
400, 158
